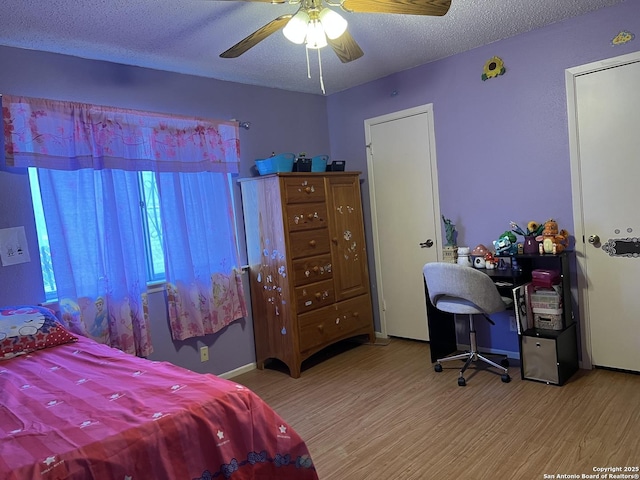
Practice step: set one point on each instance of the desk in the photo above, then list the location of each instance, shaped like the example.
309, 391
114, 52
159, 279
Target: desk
442, 332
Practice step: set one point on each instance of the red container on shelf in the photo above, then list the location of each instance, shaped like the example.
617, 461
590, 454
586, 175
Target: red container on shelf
545, 278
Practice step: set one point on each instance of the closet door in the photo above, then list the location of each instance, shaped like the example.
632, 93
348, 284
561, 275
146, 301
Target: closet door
607, 113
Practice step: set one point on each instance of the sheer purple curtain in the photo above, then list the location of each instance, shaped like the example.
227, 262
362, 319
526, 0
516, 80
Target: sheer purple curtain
88, 157
204, 289
95, 234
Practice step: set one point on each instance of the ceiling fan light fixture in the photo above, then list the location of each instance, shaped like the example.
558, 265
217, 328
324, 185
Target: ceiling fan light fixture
316, 37
334, 24
296, 29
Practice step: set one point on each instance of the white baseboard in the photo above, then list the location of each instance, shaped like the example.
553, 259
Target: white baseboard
238, 371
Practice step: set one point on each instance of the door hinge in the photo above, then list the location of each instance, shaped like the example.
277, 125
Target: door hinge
370, 147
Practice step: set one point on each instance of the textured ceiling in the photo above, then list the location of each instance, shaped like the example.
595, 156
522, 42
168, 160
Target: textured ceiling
186, 36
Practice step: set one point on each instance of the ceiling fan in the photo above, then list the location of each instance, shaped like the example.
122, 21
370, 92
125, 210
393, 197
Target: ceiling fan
316, 25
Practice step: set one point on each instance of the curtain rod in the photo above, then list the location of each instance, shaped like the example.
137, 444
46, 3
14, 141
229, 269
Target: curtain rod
241, 124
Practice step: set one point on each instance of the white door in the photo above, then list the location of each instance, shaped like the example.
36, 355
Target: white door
604, 108
406, 212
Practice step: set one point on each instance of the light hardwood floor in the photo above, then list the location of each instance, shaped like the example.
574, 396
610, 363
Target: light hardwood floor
381, 412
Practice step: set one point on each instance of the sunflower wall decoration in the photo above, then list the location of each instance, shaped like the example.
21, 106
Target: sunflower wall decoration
622, 38
492, 68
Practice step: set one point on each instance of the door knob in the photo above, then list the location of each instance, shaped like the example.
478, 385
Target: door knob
427, 244
594, 239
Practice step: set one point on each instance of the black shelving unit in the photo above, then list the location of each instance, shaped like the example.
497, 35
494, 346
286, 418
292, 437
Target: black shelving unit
549, 356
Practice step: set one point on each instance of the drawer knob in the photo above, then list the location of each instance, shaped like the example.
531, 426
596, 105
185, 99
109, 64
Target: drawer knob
337, 320
320, 327
316, 269
318, 295
310, 216
308, 189
334, 240
356, 314
312, 243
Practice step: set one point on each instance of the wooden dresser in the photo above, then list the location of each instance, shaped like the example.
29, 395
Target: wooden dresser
308, 263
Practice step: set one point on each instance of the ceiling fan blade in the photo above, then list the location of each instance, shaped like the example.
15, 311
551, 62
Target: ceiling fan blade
405, 7
264, 1
345, 47
256, 37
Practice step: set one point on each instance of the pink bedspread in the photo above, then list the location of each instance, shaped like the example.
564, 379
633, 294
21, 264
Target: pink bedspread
86, 411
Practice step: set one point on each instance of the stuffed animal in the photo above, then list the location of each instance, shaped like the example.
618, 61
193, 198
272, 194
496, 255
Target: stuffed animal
506, 244
553, 240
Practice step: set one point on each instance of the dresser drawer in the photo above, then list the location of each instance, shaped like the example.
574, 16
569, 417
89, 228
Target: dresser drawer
312, 269
309, 242
302, 216
324, 325
303, 189
315, 295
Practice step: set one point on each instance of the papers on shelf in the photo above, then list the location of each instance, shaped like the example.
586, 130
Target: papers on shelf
521, 304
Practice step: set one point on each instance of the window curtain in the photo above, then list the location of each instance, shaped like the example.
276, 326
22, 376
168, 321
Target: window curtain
204, 289
87, 156
70, 136
95, 234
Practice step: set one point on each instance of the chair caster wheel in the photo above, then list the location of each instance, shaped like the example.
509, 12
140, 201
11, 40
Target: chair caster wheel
506, 378
462, 382
438, 367
505, 363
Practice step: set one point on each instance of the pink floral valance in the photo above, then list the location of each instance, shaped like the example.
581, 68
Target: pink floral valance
69, 136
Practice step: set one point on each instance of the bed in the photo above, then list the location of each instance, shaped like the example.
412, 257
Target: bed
71, 408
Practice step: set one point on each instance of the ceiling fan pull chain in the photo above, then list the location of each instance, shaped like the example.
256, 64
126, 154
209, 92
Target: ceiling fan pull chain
306, 50
320, 69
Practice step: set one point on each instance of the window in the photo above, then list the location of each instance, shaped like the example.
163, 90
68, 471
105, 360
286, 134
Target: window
48, 277
152, 230
108, 232
152, 226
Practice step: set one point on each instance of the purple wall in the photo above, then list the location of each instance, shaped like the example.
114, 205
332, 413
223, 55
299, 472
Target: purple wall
280, 121
502, 145
508, 135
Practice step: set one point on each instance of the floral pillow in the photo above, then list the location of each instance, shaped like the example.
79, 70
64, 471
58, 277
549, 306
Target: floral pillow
26, 328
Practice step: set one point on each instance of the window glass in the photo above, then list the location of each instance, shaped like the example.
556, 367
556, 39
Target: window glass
48, 277
152, 227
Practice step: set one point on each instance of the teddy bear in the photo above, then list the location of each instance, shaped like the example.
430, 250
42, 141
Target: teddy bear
552, 239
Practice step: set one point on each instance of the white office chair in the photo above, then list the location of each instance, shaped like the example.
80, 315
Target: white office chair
459, 289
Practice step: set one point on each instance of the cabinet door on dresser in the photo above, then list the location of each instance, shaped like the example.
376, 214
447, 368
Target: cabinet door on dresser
350, 270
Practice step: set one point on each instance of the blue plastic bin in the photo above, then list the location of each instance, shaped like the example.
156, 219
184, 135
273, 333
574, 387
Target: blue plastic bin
278, 163
319, 163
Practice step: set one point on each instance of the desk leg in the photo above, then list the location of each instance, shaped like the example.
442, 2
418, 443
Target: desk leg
442, 330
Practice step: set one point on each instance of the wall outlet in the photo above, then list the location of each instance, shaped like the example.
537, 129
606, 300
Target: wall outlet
512, 324
204, 354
